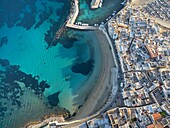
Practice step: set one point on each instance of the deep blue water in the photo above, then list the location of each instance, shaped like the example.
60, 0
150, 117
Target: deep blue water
40, 74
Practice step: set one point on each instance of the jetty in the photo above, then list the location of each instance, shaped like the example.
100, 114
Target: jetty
70, 23
71, 19
74, 13
73, 16
82, 27
60, 31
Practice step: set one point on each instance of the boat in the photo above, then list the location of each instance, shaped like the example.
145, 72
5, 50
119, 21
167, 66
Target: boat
100, 5
113, 14
124, 2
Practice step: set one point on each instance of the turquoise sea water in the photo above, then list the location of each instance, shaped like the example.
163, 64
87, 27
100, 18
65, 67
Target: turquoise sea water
99, 15
38, 73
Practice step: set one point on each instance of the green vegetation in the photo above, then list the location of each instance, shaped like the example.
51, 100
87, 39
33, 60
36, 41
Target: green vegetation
133, 120
163, 113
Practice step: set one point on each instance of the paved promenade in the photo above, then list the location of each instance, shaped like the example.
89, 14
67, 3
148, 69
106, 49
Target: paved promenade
103, 29
81, 27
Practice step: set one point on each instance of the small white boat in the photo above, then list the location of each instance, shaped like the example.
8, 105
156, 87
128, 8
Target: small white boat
100, 5
124, 2
113, 14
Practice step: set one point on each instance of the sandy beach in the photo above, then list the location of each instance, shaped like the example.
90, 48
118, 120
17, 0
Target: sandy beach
102, 84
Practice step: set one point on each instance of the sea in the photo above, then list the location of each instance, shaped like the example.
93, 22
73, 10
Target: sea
39, 73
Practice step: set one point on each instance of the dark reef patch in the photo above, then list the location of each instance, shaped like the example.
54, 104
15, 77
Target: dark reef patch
10, 90
21, 20
44, 15
53, 99
68, 42
28, 21
3, 40
50, 37
69, 37
26, 14
12, 13
4, 62
84, 68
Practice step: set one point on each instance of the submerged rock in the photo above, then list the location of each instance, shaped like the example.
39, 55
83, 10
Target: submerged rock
83, 68
53, 99
3, 40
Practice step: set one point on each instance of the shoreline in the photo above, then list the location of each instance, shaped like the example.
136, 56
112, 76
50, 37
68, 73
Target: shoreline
105, 85
87, 85
101, 87
101, 91
44, 121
